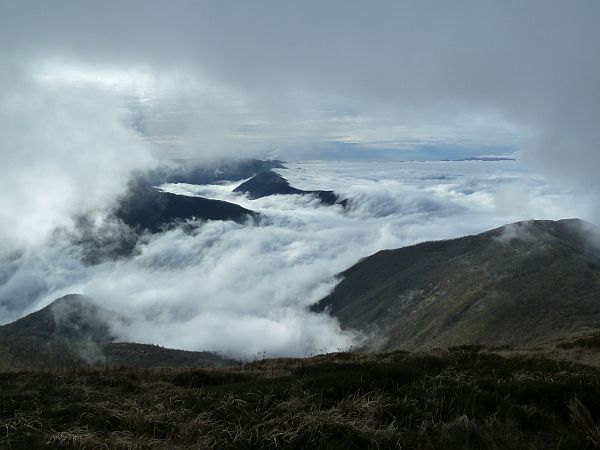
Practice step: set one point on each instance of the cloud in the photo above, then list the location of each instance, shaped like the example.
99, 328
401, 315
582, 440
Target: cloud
65, 151
244, 289
278, 76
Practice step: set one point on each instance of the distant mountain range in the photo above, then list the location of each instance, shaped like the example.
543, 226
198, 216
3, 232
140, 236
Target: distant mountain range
146, 208
523, 284
484, 158
74, 331
271, 183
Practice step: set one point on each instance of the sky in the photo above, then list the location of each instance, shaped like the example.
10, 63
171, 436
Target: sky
273, 76
282, 74
90, 93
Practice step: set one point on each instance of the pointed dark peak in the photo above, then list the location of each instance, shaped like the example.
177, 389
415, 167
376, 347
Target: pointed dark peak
271, 183
266, 183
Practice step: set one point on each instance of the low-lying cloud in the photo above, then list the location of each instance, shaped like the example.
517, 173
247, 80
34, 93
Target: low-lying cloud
243, 288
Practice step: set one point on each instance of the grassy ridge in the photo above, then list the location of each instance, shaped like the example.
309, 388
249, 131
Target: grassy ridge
466, 398
524, 284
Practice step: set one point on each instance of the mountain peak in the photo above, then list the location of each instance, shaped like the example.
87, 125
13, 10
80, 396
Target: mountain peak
69, 317
266, 183
271, 183
73, 330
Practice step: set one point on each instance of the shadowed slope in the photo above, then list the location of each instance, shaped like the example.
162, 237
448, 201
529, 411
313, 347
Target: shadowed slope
74, 331
150, 209
144, 207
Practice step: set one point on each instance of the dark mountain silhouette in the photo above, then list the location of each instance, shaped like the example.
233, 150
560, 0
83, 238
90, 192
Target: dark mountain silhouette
265, 184
523, 284
143, 207
148, 208
74, 331
271, 183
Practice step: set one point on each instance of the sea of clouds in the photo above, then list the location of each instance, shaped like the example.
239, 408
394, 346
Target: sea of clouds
244, 289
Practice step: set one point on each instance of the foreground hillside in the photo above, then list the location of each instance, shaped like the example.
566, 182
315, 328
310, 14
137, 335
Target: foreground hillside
524, 284
459, 399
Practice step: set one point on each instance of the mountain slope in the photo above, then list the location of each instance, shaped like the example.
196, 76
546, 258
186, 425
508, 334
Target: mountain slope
271, 183
522, 284
146, 208
74, 331
71, 317
151, 209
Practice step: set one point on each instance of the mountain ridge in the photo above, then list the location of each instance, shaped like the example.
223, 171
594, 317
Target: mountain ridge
73, 331
153, 210
521, 284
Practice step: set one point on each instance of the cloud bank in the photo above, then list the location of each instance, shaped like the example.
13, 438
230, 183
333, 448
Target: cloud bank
243, 289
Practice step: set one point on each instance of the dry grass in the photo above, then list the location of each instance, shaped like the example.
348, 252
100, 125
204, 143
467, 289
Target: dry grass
466, 398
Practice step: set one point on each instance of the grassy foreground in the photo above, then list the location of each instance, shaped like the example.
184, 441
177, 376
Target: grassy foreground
459, 399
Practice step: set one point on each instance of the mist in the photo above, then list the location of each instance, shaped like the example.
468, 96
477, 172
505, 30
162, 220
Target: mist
244, 289
92, 95
64, 152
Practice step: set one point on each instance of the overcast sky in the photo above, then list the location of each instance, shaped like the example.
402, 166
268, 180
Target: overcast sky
279, 75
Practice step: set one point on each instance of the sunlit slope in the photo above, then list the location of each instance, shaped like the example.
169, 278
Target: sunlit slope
522, 284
